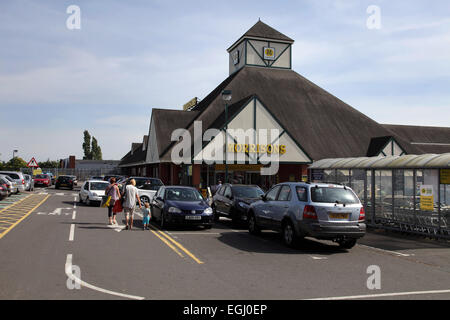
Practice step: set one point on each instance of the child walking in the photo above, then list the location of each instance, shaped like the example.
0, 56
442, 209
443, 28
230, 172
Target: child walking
147, 215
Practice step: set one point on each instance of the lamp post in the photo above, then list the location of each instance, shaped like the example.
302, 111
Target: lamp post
226, 96
14, 152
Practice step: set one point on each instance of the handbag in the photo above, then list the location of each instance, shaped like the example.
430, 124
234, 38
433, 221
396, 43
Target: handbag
117, 207
105, 201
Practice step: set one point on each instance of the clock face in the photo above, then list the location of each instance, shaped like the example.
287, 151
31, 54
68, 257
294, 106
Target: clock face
269, 53
235, 57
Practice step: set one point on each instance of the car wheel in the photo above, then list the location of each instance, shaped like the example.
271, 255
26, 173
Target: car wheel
347, 243
80, 198
290, 238
144, 200
209, 226
253, 227
88, 202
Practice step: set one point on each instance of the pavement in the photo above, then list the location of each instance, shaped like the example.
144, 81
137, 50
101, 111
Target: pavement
53, 247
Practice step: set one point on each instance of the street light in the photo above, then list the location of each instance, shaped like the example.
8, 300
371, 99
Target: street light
14, 152
226, 96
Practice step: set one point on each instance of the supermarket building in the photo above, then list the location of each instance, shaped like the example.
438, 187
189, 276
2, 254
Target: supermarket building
309, 124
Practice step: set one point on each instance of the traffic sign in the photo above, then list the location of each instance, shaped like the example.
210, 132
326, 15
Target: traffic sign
33, 163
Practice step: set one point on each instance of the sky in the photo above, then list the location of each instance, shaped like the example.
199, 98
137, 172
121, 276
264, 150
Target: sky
131, 56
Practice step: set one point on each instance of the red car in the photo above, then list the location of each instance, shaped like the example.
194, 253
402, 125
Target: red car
42, 180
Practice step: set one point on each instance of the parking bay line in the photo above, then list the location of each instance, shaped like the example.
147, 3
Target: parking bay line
71, 276
381, 295
167, 243
193, 257
72, 232
387, 251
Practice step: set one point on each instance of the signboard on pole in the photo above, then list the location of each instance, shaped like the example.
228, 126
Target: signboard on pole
426, 198
33, 163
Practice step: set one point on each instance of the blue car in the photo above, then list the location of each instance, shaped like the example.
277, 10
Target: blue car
175, 205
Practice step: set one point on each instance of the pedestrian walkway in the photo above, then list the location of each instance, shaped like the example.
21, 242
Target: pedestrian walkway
16, 211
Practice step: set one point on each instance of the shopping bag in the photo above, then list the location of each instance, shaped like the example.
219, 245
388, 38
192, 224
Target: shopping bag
117, 207
105, 201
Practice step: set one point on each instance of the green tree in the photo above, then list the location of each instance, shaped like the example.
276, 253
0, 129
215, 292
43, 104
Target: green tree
49, 164
15, 164
96, 150
87, 146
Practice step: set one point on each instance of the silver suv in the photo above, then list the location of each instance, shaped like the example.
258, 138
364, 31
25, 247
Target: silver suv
322, 211
18, 178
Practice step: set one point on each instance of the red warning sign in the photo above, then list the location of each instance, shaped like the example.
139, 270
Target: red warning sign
33, 163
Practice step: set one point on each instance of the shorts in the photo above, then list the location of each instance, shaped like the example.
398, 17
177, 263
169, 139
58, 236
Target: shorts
146, 220
129, 212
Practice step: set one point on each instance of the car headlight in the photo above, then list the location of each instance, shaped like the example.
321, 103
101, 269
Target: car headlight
243, 205
208, 211
94, 194
174, 210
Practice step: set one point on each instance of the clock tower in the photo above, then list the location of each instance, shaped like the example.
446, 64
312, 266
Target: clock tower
261, 46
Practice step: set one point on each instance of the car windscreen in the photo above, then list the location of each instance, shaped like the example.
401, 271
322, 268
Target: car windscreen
247, 192
41, 176
9, 179
98, 186
64, 178
148, 184
13, 176
333, 195
183, 194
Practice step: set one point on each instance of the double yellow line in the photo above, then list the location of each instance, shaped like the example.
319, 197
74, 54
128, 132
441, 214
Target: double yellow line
172, 244
24, 217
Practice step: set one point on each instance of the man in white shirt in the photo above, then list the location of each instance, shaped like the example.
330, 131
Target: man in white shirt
129, 204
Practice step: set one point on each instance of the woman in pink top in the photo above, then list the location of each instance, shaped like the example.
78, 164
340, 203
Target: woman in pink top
113, 191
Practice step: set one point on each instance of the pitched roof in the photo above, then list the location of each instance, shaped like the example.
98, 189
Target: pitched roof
376, 145
263, 31
136, 155
426, 139
166, 121
323, 125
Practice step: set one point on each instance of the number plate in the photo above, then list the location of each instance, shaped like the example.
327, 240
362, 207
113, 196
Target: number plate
341, 216
193, 218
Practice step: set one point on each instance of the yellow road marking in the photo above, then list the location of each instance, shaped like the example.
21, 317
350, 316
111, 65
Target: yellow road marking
178, 245
14, 203
167, 243
21, 219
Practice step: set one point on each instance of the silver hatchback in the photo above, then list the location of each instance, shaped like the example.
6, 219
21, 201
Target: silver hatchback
322, 211
18, 178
